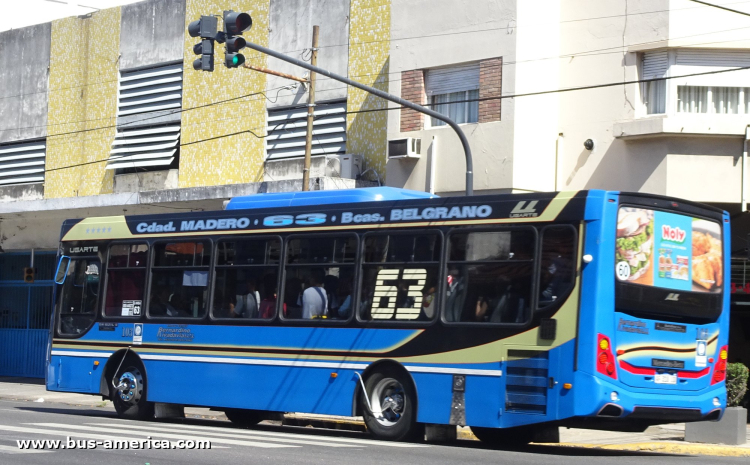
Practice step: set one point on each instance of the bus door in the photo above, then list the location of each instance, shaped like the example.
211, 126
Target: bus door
539, 361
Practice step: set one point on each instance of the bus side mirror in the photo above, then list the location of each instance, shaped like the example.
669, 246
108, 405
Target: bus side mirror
62, 269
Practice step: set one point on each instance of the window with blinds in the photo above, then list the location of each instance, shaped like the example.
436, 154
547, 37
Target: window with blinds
22, 162
453, 92
655, 65
152, 147
287, 129
148, 133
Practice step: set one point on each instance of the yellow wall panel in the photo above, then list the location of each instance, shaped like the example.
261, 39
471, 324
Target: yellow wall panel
232, 159
83, 79
369, 51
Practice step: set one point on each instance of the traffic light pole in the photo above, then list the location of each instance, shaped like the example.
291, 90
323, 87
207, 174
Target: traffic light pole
310, 112
386, 96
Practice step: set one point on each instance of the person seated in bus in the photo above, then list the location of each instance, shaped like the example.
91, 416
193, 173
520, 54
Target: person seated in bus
246, 305
268, 304
345, 297
314, 300
160, 304
507, 304
403, 299
293, 297
331, 286
428, 301
455, 295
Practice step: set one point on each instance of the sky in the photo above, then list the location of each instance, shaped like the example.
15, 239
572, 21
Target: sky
17, 14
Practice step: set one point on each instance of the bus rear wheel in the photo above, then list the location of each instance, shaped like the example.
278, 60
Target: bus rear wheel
243, 417
392, 398
129, 396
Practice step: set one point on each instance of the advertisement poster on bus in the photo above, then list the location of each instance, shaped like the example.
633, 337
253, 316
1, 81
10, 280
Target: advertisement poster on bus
668, 250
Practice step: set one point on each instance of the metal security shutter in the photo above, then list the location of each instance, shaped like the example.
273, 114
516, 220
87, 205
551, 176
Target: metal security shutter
22, 163
715, 58
453, 79
287, 128
655, 64
144, 147
150, 89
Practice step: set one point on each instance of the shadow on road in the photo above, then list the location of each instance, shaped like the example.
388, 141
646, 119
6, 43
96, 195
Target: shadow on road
551, 450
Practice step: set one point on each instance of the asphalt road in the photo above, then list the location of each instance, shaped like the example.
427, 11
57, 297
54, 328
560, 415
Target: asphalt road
263, 444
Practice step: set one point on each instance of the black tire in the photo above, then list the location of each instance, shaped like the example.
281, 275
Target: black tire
131, 403
391, 393
242, 417
517, 436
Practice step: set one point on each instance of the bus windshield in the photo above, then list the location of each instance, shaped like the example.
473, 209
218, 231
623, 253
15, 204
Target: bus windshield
668, 263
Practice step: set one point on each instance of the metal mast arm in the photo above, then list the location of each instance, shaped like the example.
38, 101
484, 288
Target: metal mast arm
386, 96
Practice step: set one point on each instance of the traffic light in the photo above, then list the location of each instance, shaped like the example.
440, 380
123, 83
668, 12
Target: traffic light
28, 275
234, 25
205, 28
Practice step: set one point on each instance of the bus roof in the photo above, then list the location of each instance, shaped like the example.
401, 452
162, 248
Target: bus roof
299, 199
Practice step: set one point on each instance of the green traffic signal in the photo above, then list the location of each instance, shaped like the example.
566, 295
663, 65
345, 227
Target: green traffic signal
234, 60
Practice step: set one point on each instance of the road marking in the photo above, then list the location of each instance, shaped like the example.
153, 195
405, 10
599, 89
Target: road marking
16, 450
268, 434
223, 433
232, 442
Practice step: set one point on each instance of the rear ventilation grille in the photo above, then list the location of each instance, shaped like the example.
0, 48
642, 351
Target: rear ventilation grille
527, 382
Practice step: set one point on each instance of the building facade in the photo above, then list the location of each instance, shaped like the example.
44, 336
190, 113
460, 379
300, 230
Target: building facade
104, 114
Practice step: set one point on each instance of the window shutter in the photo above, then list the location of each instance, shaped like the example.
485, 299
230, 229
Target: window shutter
144, 147
714, 58
22, 163
150, 89
655, 64
453, 79
287, 128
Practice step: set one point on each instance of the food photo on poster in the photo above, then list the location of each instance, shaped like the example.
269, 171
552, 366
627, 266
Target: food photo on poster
668, 250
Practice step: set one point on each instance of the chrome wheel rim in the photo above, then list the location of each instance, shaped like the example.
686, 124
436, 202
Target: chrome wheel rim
388, 401
130, 386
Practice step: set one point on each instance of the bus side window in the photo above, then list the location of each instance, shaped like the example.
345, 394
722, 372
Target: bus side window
179, 280
79, 296
489, 276
126, 280
558, 270
400, 276
319, 277
246, 278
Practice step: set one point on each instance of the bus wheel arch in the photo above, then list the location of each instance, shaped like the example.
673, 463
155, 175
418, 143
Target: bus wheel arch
387, 381
127, 367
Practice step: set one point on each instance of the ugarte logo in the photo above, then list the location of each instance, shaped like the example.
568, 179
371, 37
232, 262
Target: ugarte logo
92, 249
673, 297
668, 233
525, 210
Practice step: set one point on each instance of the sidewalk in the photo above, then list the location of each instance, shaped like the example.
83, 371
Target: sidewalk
662, 438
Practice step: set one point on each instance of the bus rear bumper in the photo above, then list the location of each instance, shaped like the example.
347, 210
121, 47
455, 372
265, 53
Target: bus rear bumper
615, 401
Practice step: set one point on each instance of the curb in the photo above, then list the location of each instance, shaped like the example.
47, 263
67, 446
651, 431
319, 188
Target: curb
666, 448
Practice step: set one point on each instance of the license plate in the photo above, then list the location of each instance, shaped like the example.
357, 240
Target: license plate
665, 378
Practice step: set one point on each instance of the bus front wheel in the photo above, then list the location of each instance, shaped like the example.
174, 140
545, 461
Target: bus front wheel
129, 396
391, 414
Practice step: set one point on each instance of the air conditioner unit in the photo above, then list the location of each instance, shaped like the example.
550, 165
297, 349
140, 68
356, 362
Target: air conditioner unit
344, 166
410, 147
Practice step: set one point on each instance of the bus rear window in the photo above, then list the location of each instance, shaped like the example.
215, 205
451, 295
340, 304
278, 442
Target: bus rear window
670, 254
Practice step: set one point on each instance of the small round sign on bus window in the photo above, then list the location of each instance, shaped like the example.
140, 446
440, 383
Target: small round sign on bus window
623, 271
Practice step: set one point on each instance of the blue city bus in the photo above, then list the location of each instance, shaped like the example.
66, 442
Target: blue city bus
513, 314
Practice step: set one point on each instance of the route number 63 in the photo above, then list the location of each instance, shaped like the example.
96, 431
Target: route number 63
398, 286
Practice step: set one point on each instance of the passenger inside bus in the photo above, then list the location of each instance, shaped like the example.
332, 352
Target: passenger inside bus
247, 304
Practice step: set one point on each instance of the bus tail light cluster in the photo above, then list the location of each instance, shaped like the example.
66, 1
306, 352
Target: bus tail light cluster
605, 360
720, 369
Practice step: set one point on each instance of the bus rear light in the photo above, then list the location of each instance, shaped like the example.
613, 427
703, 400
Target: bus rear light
605, 359
720, 369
